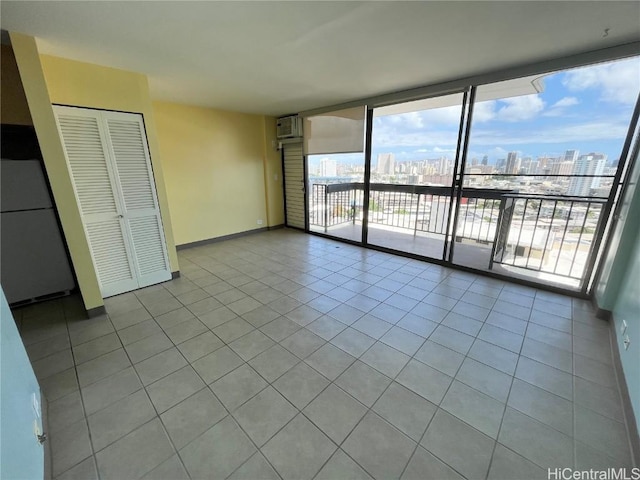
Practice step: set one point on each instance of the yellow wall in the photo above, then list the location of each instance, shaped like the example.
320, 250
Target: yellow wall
13, 107
35, 88
85, 85
217, 172
214, 162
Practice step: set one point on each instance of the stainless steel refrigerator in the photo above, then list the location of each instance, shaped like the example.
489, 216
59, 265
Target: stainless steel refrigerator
33, 260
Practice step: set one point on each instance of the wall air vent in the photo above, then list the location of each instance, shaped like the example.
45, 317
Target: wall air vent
289, 127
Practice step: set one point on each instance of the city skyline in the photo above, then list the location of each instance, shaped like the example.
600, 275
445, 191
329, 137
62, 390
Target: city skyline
513, 164
586, 109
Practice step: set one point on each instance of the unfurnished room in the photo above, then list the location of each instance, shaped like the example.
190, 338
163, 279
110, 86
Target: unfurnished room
320, 240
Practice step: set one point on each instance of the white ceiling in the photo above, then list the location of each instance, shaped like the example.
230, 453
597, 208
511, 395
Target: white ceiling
284, 57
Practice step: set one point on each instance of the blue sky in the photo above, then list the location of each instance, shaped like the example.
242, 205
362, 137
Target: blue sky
587, 109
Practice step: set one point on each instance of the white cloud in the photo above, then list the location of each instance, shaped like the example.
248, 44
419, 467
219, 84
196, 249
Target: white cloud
559, 109
445, 116
573, 131
443, 150
404, 121
484, 111
437, 118
566, 102
497, 152
554, 112
567, 133
421, 129
412, 120
422, 139
618, 82
520, 108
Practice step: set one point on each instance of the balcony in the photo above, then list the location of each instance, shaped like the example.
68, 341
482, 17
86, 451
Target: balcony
534, 237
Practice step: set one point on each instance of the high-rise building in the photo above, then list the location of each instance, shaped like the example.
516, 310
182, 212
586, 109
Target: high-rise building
485, 160
525, 165
561, 168
513, 164
591, 164
429, 169
543, 163
443, 166
328, 168
571, 155
386, 164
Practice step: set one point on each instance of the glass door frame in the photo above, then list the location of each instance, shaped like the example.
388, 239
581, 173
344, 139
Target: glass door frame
455, 189
458, 173
368, 149
465, 109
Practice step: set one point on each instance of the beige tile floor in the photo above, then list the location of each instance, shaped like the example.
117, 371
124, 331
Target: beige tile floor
284, 355
467, 254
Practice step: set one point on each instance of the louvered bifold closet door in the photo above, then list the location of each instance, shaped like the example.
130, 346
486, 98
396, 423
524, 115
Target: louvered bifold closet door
294, 182
94, 185
128, 144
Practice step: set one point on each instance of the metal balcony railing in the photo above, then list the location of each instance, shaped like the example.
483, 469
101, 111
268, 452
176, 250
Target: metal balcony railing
542, 233
548, 234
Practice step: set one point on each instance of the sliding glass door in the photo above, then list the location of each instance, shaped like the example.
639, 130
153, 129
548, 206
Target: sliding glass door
414, 151
334, 149
336, 192
517, 178
540, 168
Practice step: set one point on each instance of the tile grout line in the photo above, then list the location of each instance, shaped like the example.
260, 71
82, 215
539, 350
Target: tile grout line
395, 267
144, 388
506, 402
84, 411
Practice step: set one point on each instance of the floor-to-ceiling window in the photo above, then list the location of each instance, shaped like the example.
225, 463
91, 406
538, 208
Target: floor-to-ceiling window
334, 149
515, 177
550, 150
336, 187
414, 148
